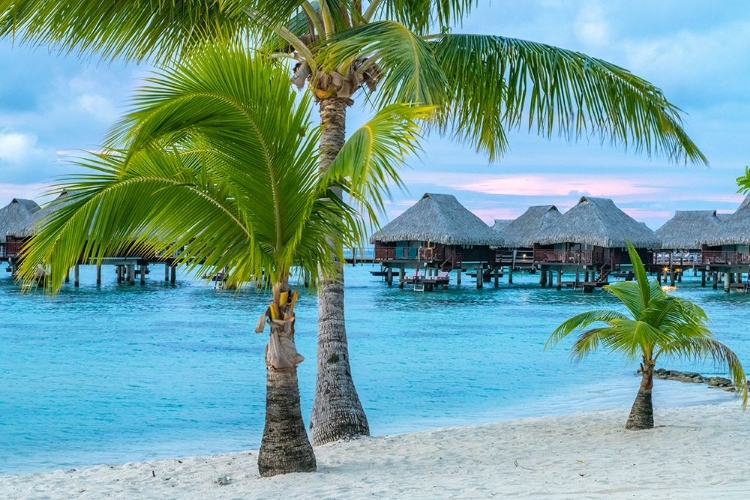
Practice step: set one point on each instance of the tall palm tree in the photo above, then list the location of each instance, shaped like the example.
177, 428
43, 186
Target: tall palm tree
217, 164
404, 49
657, 325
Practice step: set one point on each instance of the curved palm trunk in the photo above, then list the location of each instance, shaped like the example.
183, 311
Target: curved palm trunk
337, 412
284, 447
642, 412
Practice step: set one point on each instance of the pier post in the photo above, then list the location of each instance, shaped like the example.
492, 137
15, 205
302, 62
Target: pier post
458, 276
578, 276
401, 274
727, 281
166, 271
131, 274
559, 278
716, 280
389, 276
67, 276
703, 278
173, 274
118, 270
77, 275
144, 268
497, 277
679, 276
671, 277
480, 278
510, 274
99, 273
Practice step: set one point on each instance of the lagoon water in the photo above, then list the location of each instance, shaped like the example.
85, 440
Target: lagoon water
118, 373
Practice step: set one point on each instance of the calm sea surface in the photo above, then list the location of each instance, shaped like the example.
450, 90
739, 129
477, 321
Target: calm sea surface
119, 373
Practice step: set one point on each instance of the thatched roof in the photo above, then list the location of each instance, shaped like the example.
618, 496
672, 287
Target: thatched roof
689, 229
528, 228
735, 228
16, 215
598, 222
438, 218
501, 224
28, 228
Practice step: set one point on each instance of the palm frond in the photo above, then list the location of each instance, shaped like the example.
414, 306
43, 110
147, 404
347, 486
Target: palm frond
410, 71
147, 29
704, 347
629, 293
370, 158
421, 16
553, 90
582, 320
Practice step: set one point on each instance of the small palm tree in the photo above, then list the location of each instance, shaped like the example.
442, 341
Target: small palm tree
658, 324
217, 165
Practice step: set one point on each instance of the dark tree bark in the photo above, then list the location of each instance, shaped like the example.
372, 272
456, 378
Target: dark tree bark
642, 412
284, 447
337, 411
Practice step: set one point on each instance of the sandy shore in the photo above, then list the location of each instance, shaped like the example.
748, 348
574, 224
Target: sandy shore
695, 452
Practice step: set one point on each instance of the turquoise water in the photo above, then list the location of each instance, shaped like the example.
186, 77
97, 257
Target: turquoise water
118, 373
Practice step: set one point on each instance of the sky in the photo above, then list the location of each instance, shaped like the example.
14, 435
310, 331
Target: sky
55, 107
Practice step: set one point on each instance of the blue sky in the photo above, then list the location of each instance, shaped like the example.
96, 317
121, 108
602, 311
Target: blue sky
52, 107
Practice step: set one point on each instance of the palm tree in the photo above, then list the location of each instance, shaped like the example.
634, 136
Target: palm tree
217, 164
404, 49
658, 324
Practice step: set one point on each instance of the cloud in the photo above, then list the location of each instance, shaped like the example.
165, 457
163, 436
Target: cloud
16, 148
98, 107
591, 28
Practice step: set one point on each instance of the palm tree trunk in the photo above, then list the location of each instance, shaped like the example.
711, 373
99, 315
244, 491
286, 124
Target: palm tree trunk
284, 447
642, 412
337, 412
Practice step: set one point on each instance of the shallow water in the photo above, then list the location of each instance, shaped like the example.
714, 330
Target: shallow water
119, 373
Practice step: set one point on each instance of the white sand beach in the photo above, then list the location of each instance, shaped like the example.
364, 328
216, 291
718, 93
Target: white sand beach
694, 452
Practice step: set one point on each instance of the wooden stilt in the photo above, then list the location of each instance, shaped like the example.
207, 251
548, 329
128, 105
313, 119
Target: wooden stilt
510, 274
173, 274
131, 274
77, 275
166, 272
67, 276
715, 278
497, 277
480, 278
727, 281
458, 276
401, 274
144, 268
389, 276
559, 278
703, 278
99, 274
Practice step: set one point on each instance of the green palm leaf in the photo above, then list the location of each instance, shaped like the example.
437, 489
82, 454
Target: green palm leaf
553, 90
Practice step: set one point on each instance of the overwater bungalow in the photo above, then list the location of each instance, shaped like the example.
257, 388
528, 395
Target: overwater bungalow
522, 235
13, 217
727, 250
127, 264
684, 240
590, 238
432, 238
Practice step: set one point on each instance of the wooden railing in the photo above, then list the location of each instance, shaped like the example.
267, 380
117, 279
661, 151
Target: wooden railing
563, 257
727, 258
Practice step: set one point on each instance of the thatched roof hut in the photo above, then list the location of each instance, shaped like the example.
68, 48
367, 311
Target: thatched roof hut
598, 222
526, 230
734, 229
689, 229
438, 218
28, 228
16, 215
